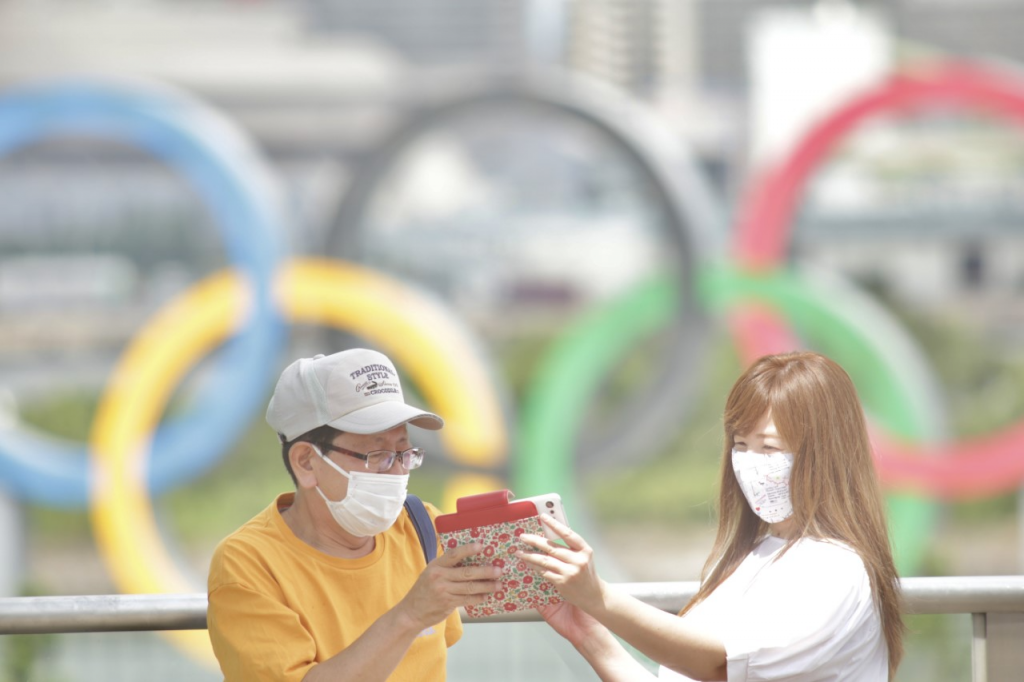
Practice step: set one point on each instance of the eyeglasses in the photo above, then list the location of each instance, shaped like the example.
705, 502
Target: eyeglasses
382, 460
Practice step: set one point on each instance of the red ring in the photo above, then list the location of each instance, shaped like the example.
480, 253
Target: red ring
965, 469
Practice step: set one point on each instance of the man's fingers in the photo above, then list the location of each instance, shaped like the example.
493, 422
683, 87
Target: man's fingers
451, 557
450, 568
470, 587
474, 599
482, 572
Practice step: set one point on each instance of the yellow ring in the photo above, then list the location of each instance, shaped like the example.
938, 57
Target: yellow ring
418, 334
413, 329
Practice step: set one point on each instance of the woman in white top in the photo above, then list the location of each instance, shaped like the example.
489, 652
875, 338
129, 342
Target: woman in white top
800, 584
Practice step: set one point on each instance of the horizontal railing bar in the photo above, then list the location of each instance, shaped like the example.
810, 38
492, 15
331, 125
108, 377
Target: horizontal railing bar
102, 613
144, 612
977, 594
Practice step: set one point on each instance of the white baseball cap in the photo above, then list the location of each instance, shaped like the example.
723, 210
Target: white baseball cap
356, 390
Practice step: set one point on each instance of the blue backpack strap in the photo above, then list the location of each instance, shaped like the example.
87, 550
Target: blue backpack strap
424, 526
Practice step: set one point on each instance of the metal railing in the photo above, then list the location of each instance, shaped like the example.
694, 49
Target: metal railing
996, 604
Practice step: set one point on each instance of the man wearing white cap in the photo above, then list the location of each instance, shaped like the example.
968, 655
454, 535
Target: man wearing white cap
331, 582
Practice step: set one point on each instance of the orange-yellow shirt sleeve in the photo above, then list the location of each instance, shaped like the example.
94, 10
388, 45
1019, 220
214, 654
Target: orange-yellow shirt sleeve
256, 638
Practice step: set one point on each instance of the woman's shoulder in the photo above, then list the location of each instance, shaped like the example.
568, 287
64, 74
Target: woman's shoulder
801, 568
836, 554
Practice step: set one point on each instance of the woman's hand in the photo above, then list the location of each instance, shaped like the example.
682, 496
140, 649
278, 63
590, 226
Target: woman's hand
591, 610
570, 568
571, 622
594, 641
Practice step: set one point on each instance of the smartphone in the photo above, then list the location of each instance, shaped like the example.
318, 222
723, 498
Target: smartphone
550, 504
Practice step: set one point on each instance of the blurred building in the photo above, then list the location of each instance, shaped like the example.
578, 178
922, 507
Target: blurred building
644, 47
985, 28
492, 33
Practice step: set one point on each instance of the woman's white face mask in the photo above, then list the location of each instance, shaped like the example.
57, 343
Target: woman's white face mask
764, 480
373, 502
762, 466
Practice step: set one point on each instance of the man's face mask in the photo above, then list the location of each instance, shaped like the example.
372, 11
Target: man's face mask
373, 501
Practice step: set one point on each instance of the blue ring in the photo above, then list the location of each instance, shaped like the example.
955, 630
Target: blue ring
246, 201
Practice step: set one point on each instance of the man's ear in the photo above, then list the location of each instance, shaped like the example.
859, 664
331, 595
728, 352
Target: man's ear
301, 455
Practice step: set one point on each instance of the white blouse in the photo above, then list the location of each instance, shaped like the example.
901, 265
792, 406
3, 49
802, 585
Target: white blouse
808, 617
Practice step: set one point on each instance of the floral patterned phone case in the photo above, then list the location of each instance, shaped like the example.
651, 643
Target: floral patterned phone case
496, 522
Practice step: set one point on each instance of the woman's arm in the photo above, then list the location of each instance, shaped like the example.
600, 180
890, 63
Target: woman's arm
661, 636
596, 644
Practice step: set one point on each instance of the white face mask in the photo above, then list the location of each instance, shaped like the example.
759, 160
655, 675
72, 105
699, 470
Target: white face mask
764, 480
373, 501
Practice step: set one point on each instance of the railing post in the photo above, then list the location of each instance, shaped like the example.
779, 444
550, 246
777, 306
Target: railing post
1004, 655
979, 649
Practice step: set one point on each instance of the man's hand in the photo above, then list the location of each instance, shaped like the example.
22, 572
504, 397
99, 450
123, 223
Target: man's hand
443, 586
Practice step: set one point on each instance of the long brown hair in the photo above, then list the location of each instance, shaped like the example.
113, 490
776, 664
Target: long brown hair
833, 485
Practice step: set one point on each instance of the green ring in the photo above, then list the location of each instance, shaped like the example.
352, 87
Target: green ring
889, 371
570, 372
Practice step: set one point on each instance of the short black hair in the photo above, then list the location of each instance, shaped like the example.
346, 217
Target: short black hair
321, 434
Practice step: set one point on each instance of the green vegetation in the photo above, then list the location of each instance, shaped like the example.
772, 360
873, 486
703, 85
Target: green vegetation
678, 482
66, 415
937, 647
21, 654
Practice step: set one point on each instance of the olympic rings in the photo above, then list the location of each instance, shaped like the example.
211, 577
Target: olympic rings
899, 395
680, 194
412, 328
966, 469
245, 200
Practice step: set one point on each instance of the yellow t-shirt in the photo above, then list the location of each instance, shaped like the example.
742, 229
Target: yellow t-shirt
278, 606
